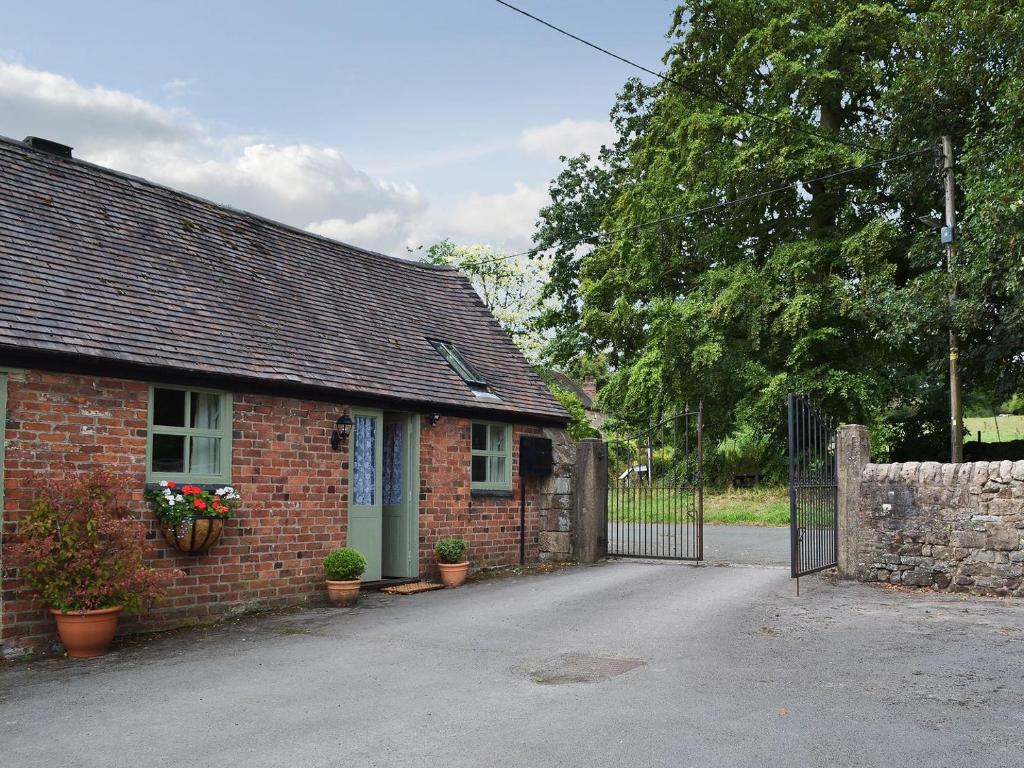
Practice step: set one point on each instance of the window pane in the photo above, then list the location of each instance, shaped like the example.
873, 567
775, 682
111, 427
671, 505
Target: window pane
479, 437
169, 407
459, 363
497, 438
479, 474
168, 453
364, 470
394, 457
496, 469
205, 410
204, 455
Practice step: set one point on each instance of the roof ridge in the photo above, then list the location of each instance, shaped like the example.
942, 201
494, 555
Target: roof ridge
223, 206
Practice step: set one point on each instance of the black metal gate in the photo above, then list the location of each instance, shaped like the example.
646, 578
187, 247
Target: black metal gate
656, 490
813, 488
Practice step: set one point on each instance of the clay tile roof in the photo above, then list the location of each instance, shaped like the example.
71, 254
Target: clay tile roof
102, 265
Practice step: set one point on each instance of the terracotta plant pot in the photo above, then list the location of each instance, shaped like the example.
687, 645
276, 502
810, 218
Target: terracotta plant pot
87, 633
344, 593
195, 536
453, 574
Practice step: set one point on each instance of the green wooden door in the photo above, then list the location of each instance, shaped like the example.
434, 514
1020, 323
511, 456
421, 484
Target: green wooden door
365, 510
400, 496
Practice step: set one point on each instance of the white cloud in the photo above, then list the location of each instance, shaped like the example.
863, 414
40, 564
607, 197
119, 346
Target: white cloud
299, 184
33, 102
505, 219
313, 187
371, 228
567, 137
179, 85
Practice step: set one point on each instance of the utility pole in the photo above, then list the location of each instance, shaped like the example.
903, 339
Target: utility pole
949, 234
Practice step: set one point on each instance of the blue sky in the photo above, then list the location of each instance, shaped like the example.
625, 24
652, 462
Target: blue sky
382, 123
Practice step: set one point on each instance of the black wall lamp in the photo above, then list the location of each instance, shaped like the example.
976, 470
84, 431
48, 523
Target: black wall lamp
434, 418
342, 429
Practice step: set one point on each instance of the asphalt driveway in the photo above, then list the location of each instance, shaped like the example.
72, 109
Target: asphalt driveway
624, 664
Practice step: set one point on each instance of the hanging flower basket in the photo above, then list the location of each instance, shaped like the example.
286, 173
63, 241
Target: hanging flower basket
191, 518
194, 536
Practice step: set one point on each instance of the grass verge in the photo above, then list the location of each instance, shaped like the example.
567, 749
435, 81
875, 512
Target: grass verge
754, 506
995, 429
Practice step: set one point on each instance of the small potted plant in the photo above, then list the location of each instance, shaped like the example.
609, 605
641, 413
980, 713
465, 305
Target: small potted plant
191, 518
343, 567
82, 553
451, 559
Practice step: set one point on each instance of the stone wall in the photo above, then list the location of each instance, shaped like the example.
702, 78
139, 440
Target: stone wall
556, 500
952, 527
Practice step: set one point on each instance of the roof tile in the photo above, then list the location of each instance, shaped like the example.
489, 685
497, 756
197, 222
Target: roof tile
97, 263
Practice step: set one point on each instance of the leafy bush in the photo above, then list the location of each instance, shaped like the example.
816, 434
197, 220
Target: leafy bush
451, 551
743, 453
344, 564
579, 427
1014, 405
79, 550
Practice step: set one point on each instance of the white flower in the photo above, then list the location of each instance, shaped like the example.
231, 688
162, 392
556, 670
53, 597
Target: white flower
171, 502
163, 483
220, 491
179, 497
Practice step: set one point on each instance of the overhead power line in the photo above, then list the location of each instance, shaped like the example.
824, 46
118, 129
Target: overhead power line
709, 208
689, 88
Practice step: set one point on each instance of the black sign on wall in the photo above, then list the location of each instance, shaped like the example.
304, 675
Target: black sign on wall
535, 456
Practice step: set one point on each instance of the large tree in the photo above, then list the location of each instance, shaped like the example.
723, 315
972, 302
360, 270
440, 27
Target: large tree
831, 287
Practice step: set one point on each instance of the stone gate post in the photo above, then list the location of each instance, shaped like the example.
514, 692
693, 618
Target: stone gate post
853, 452
590, 528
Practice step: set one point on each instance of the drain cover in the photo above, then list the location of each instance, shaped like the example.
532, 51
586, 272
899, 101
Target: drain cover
582, 668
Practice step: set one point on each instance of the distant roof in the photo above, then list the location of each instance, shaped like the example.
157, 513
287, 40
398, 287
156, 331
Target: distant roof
106, 266
571, 385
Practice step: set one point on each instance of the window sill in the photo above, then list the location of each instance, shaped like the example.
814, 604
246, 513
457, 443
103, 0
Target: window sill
155, 486
493, 492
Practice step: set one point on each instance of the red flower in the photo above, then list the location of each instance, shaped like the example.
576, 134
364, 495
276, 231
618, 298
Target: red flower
199, 504
171, 484
191, 489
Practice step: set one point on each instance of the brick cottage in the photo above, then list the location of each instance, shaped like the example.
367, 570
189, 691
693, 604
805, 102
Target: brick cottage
163, 337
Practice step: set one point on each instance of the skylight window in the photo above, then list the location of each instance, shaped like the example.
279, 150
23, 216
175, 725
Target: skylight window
460, 365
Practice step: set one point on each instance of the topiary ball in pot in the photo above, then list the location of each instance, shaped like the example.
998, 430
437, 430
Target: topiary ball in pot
342, 568
451, 550
451, 561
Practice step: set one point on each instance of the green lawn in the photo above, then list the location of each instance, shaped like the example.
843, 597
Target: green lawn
755, 506
1009, 428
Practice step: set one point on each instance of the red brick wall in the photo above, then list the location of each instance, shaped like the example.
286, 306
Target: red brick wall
293, 487
490, 523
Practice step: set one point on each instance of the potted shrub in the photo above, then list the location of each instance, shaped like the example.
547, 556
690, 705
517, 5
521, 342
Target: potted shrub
191, 518
342, 568
451, 559
82, 554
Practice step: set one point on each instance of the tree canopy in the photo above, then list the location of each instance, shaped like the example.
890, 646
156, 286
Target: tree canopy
510, 287
831, 285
